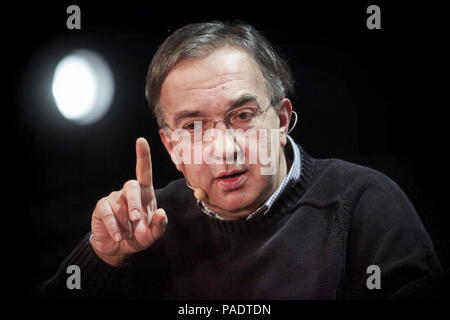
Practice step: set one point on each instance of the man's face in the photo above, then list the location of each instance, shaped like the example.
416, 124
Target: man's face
207, 88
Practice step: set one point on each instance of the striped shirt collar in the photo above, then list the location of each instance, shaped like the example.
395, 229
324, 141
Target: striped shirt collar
293, 175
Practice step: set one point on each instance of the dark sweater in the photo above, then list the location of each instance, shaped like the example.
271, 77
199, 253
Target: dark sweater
315, 243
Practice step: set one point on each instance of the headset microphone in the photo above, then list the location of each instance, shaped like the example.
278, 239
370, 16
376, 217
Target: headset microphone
199, 193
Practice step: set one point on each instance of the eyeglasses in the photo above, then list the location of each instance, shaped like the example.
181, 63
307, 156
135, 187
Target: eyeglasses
246, 117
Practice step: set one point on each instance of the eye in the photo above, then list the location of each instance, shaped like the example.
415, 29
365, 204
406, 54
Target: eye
192, 125
244, 116
189, 126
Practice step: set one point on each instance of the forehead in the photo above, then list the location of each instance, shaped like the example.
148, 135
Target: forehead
211, 81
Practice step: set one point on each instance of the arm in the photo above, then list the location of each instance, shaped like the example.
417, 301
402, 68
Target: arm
123, 224
386, 231
97, 278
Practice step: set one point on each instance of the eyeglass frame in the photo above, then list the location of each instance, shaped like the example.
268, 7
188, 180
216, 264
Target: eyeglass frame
224, 120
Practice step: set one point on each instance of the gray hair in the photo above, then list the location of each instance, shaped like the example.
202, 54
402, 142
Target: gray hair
200, 39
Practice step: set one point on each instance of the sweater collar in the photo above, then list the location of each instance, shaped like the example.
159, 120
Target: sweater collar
285, 205
293, 153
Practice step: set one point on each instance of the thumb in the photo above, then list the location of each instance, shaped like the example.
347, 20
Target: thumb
158, 224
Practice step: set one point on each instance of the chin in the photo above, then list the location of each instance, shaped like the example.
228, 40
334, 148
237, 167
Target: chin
235, 201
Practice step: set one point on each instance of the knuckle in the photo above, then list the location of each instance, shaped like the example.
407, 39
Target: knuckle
131, 184
133, 204
101, 209
114, 198
113, 194
107, 214
100, 204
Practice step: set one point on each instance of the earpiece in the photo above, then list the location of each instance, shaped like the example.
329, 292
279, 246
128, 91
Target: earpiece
295, 121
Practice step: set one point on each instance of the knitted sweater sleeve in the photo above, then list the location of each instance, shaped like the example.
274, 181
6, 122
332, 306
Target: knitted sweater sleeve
386, 233
97, 279
143, 276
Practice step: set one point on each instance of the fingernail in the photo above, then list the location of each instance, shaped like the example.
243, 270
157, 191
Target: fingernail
136, 215
117, 236
163, 222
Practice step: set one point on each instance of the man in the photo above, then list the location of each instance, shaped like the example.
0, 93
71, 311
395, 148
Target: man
292, 227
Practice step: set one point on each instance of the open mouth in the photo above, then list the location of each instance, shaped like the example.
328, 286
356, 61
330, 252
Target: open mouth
232, 181
232, 175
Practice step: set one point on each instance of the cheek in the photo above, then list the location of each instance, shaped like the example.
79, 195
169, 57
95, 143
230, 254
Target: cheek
251, 151
266, 144
261, 180
197, 174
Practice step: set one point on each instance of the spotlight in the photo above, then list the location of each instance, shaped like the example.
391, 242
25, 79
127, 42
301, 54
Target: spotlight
83, 86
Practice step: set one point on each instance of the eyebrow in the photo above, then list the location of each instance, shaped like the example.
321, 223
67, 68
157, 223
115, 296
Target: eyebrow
243, 99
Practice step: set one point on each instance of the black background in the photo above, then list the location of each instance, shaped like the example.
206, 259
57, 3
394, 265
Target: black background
374, 97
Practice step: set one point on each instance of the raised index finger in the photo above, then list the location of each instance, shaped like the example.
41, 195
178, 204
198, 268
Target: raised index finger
143, 163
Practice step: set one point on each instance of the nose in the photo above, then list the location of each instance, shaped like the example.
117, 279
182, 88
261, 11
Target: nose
224, 146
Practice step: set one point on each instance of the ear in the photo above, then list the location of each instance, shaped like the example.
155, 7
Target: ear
165, 139
284, 115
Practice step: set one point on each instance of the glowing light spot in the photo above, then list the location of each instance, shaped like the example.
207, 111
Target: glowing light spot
83, 87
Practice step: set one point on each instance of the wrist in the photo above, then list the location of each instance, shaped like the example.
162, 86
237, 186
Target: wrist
113, 260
